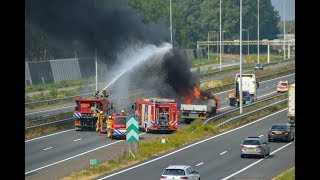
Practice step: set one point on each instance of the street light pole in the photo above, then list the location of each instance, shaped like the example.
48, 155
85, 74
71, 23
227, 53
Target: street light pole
170, 23
220, 35
248, 39
96, 62
240, 84
284, 29
258, 34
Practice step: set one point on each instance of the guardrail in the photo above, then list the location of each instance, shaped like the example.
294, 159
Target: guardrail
246, 67
251, 112
210, 119
222, 115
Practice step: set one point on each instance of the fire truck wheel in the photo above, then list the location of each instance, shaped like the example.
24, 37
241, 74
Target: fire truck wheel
111, 136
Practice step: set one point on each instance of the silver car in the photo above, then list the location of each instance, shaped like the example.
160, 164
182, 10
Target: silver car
180, 172
254, 146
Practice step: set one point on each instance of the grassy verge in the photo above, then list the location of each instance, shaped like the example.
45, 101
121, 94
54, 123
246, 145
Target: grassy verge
56, 86
194, 132
286, 175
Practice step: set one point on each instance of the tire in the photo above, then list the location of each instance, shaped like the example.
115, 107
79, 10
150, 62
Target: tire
269, 140
242, 156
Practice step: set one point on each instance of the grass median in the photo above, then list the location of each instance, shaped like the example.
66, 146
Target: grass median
150, 149
286, 175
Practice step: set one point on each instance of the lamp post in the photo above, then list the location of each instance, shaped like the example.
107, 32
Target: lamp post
284, 29
208, 42
220, 35
240, 84
170, 23
248, 39
258, 34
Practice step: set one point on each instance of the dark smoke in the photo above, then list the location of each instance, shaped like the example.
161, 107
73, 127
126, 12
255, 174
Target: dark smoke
108, 25
111, 26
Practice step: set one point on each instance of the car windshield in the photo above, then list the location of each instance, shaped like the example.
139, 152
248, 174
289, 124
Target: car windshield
279, 127
174, 172
258, 65
283, 84
251, 142
120, 121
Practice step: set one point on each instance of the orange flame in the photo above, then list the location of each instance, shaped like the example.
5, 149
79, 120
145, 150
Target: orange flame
196, 92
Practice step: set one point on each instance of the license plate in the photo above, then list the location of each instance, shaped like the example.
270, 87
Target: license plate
122, 128
278, 132
193, 112
251, 149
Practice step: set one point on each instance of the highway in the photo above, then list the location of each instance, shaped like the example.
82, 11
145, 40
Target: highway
58, 154
218, 157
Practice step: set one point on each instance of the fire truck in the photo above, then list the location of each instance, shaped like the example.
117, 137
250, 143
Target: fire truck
87, 112
156, 114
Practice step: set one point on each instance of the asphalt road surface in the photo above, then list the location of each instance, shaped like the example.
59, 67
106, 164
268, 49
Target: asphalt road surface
218, 157
59, 154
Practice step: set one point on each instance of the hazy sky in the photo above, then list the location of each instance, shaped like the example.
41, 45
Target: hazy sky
290, 12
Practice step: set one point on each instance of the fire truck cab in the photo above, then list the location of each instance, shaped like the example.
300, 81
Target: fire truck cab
156, 114
118, 129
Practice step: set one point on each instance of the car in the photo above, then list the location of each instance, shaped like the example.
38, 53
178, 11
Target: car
254, 146
180, 172
258, 67
281, 132
282, 86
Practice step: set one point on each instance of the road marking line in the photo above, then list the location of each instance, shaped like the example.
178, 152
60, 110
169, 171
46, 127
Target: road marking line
199, 164
261, 135
191, 145
47, 148
48, 135
76, 156
226, 98
77, 139
266, 86
223, 152
255, 162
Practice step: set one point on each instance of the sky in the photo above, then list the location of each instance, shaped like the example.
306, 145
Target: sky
290, 8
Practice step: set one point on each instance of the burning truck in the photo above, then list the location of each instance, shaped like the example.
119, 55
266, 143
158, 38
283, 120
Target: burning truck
199, 105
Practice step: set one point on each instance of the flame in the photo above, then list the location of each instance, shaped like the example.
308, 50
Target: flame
194, 93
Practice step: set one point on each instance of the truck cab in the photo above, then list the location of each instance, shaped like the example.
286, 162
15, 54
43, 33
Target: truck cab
249, 87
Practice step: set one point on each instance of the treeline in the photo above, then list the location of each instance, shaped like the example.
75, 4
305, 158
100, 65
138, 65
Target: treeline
191, 20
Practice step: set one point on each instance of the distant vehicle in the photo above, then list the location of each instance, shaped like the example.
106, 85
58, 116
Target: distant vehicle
119, 128
254, 146
282, 86
281, 132
249, 85
258, 67
180, 172
291, 105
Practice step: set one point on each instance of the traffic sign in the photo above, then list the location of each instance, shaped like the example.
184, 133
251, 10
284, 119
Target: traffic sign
132, 132
93, 162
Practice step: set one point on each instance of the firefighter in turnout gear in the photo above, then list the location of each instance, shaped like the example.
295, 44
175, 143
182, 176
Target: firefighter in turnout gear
104, 94
101, 124
109, 126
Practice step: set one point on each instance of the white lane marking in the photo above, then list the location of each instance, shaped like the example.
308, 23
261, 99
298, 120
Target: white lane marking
255, 162
49, 110
47, 148
76, 156
261, 135
189, 146
266, 86
77, 139
199, 164
226, 98
223, 152
49, 135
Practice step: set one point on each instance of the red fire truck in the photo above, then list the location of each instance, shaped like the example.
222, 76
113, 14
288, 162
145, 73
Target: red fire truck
156, 114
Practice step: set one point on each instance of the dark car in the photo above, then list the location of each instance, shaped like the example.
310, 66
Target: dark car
281, 132
258, 67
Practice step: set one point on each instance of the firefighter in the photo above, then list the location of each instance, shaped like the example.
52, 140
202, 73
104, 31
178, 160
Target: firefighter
96, 94
104, 94
232, 98
100, 122
109, 126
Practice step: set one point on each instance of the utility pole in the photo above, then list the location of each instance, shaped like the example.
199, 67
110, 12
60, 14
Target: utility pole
170, 23
284, 29
240, 84
96, 62
258, 35
220, 36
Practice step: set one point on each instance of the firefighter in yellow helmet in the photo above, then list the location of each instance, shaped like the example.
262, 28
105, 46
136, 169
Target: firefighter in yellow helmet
109, 126
100, 121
